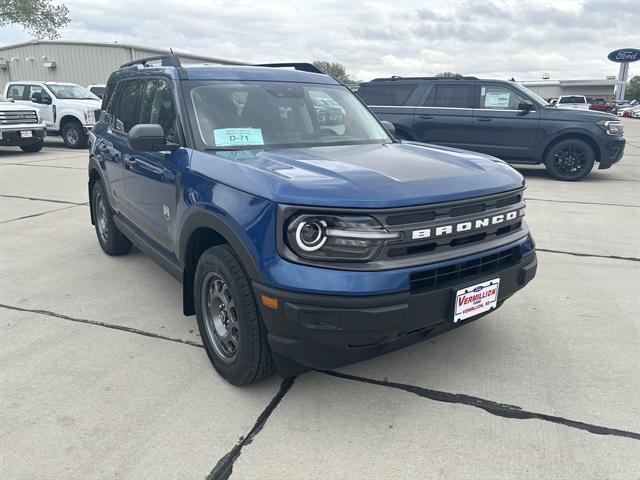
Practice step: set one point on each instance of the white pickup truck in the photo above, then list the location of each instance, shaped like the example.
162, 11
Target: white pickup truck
21, 126
67, 109
573, 101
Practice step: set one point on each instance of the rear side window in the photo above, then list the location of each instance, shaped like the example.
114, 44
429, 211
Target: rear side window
16, 92
388, 95
127, 105
451, 96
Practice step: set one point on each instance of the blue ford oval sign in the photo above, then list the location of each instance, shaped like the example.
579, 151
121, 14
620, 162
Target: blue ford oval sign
624, 55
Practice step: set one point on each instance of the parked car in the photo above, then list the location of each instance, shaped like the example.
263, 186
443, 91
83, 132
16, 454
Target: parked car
67, 109
97, 90
299, 246
602, 105
498, 118
625, 109
21, 126
573, 101
629, 111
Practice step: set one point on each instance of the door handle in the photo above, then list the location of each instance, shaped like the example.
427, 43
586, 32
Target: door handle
129, 161
484, 119
426, 117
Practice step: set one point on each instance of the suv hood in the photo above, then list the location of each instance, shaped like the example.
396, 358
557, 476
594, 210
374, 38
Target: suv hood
365, 176
574, 114
14, 107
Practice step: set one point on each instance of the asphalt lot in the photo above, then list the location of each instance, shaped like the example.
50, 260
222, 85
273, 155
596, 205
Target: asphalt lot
101, 376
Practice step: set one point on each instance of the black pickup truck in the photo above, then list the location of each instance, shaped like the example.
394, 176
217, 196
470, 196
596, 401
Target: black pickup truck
499, 118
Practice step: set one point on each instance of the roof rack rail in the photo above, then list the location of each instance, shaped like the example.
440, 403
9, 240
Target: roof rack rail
304, 67
396, 77
168, 60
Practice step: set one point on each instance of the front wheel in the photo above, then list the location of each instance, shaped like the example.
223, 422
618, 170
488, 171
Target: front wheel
74, 136
112, 241
570, 160
32, 147
229, 322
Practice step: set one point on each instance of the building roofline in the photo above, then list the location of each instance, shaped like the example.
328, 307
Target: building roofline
122, 45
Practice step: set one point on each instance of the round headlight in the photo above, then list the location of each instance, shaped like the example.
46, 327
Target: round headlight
311, 235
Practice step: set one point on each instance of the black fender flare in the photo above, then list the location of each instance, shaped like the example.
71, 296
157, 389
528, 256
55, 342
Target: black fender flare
200, 218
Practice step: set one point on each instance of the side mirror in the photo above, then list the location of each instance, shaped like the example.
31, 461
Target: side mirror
525, 106
47, 100
150, 137
390, 127
36, 97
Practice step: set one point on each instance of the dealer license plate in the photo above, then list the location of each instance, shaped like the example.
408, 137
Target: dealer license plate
26, 134
476, 299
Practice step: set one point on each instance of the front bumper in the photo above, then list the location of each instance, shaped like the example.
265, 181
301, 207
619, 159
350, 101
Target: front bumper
12, 136
328, 331
611, 151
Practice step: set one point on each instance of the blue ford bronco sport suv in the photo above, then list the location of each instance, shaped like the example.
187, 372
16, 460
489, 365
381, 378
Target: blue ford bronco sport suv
299, 245
499, 118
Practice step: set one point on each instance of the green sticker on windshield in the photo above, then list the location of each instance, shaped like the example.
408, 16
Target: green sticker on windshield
230, 137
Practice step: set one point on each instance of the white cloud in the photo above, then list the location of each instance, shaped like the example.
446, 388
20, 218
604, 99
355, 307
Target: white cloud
489, 38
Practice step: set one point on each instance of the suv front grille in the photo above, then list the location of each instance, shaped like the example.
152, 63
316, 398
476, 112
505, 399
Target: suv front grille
17, 117
443, 276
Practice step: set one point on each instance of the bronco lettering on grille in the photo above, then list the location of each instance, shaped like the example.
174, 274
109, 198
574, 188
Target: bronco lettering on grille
467, 226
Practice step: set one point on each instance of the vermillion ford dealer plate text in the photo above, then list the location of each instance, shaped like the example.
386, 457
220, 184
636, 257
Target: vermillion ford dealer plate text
476, 299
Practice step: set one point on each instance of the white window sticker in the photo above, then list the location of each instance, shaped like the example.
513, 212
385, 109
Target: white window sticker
496, 100
230, 137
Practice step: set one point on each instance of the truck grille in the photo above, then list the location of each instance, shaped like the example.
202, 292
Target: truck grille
18, 117
443, 276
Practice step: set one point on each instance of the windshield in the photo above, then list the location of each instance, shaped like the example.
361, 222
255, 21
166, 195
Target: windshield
533, 95
241, 115
71, 92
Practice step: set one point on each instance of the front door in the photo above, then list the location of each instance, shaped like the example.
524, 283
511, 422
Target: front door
500, 127
446, 116
150, 177
45, 108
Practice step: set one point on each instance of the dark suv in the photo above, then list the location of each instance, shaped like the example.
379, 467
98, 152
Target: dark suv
499, 118
299, 244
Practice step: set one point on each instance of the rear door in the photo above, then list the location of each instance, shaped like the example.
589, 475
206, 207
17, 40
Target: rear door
394, 101
445, 118
500, 128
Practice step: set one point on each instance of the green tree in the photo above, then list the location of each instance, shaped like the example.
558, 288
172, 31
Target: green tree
633, 89
448, 74
334, 69
40, 18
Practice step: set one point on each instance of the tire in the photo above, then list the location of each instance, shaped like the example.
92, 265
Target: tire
570, 160
229, 322
32, 147
73, 135
112, 241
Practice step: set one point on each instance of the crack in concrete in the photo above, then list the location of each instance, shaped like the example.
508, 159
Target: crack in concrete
494, 408
582, 203
100, 324
224, 466
589, 255
43, 166
42, 213
36, 199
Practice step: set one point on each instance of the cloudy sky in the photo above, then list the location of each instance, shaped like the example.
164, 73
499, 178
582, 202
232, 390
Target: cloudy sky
490, 38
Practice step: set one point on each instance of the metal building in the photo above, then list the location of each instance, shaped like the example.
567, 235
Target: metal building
83, 63
588, 88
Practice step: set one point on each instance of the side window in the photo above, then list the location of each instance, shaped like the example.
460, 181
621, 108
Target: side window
16, 92
158, 106
37, 89
497, 97
451, 96
388, 95
126, 104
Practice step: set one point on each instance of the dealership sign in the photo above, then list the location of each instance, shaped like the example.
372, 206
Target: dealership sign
624, 55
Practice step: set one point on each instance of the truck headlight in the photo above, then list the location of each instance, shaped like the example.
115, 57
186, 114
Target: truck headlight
90, 116
611, 127
337, 237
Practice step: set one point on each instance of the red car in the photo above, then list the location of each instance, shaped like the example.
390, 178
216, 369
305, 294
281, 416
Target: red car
601, 105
